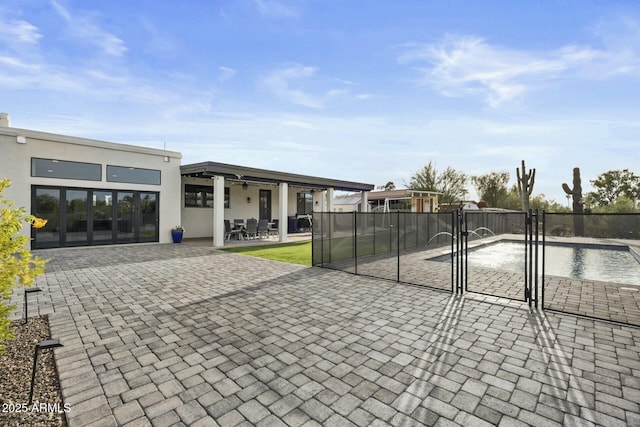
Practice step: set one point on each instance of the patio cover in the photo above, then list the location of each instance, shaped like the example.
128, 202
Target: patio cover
219, 172
243, 173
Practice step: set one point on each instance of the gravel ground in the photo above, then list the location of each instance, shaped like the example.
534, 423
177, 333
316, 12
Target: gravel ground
16, 365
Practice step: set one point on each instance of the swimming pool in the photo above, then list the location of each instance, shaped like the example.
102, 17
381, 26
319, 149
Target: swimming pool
609, 265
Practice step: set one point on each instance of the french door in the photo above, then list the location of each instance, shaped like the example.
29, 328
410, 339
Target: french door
81, 217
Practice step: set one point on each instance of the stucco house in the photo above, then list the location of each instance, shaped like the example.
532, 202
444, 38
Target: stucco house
388, 200
99, 193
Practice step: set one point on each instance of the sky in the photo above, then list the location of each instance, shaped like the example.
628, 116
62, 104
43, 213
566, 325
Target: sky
367, 91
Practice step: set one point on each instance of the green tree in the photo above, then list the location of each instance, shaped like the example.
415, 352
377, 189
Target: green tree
387, 187
492, 187
620, 205
425, 179
17, 265
512, 200
450, 182
611, 185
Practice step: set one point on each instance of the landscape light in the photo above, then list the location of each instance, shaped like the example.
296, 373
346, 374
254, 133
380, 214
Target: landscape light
43, 345
27, 292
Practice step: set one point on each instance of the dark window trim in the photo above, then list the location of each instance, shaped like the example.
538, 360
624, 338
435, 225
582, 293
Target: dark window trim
109, 179
227, 195
90, 190
65, 161
304, 195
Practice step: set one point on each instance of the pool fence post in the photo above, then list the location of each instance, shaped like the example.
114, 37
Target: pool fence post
355, 241
398, 244
544, 233
453, 237
536, 259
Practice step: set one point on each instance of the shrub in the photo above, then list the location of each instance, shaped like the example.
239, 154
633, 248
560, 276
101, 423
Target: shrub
18, 267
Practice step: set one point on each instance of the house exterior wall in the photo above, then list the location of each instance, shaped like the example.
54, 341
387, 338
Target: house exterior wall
342, 207
198, 221
15, 164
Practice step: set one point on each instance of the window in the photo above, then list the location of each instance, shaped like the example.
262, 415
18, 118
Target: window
51, 168
201, 196
305, 203
133, 175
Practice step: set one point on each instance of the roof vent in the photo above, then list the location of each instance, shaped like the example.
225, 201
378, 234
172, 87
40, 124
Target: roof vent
5, 120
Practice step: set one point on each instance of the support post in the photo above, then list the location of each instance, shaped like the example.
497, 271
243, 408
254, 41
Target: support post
329, 196
283, 203
218, 211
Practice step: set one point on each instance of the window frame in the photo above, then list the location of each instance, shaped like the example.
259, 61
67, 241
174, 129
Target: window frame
36, 174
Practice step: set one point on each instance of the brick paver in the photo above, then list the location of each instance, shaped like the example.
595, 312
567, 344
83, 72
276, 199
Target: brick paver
180, 335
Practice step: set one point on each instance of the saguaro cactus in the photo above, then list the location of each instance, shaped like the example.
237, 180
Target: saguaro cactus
578, 203
525, 185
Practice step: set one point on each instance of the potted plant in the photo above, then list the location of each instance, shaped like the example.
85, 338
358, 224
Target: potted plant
176, 233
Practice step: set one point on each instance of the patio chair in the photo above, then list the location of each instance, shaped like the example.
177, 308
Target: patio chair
263, 228
304, 223
229, 232
252, 228
273, 227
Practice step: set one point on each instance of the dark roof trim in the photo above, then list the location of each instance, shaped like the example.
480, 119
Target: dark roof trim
211, 169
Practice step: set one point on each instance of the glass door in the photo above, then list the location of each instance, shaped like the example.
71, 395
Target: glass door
265, 204
125, 216
47, 206
76, 217
148, 217
102, 217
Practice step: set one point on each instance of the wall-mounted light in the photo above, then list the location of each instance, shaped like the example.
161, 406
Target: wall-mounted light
248, 199
21, 139
166, 158
245, 186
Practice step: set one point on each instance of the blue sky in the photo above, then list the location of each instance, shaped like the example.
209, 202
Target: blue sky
368, 91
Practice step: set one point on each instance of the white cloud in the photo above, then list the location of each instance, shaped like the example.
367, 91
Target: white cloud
282, 82
226, 73
467, 65
18, 31
82, 27
301, 85
275, 9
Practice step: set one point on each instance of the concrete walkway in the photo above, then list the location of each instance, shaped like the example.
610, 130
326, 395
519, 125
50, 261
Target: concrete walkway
183, 335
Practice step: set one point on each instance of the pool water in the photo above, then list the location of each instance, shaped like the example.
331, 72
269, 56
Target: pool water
609, 265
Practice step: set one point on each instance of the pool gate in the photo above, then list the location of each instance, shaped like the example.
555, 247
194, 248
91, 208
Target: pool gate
440, 250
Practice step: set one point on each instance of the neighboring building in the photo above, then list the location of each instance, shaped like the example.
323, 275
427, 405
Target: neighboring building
347, 203
96, 193
389, 200
403, 200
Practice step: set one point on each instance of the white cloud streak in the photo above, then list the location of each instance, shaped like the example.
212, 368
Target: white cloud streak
82, 27
18, 32
467, 65
275, 9
299, 84
282, 82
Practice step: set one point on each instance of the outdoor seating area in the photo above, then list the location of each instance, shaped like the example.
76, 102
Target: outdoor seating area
252, 229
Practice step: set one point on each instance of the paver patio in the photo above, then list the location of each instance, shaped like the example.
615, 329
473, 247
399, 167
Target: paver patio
179, 335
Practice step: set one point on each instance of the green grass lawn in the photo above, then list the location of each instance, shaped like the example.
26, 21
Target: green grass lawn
295, 253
